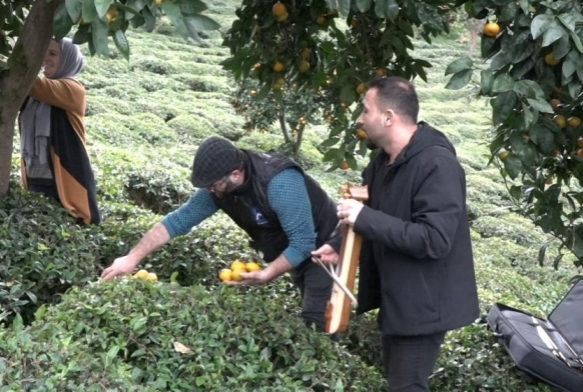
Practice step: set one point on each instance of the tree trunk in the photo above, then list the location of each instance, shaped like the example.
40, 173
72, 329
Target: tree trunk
25, 62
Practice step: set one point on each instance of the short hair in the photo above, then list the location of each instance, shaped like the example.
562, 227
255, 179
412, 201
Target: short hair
397, 94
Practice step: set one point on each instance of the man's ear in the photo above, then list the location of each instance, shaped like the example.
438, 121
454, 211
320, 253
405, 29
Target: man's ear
388, 117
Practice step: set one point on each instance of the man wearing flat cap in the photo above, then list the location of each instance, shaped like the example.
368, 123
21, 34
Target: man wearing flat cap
284, 211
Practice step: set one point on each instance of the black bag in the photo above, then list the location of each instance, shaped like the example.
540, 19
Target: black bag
550, 350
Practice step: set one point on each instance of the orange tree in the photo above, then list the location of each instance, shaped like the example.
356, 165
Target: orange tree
292, 57
26, 28
534, 85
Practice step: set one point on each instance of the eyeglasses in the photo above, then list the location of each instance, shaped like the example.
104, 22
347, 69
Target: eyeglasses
213, 188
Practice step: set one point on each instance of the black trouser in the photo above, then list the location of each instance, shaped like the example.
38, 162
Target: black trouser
409, 360
315, 288
46, 186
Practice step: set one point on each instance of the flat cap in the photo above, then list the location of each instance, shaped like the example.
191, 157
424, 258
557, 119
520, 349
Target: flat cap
213, 160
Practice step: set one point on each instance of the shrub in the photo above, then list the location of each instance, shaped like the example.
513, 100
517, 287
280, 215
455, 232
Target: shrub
191, 129
166, 337
156, 191
42, 252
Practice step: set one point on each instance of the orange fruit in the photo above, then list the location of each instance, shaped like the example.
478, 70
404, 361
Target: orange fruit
141, 274
279, 9
380, 72
252, 266
554, 103
549, 180
236, 274
110, 14
225, 275
237, 264
304, 66
278, 66
158, 2
305, 53
321, 20
574, 121
344, 165
151, 277
503, 155
354, 23
360, 88
580, 152
560, 120
361, 134
580, 142
278, 84
491, 29
551, 60
282, 18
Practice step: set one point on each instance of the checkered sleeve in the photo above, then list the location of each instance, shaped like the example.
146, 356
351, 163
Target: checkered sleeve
288, 198
198, 207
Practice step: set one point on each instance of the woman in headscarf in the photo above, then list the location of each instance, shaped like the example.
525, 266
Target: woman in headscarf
52, 135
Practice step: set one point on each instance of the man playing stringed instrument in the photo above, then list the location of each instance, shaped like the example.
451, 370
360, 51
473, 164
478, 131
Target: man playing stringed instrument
416, 263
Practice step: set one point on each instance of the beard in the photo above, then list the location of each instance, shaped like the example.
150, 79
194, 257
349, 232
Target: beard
370, 144
229, 188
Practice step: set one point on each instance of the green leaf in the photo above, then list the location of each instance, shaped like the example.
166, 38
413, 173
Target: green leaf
62, 22
202, 22
540, 24
121, 43
503, 106
570, 63
529, 89
553, 33
561, 47
379, 8
568, 20
458, 65
459, 79
363, 5
486, 81
574, 88
40, 312
503, 82
347, 94
102, 6
99, 35
74, 8
89, 11
392, 10
541, 254
330, 155
577, 41
542, 137
429, 16
343, 6
529, 115
330, 142
541, 105
513, 165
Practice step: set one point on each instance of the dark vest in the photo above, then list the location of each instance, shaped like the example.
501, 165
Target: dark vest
249, 208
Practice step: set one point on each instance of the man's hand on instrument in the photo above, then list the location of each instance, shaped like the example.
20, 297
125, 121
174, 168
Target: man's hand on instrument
348, 210
325, 254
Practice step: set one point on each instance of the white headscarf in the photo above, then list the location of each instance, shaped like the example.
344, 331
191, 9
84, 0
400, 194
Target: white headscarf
35, 120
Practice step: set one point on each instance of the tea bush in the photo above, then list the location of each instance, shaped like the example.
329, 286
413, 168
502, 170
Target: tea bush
42, 253
165, 337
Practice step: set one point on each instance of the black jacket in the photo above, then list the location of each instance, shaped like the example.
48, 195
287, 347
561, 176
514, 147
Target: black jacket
416, 263
244, 204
